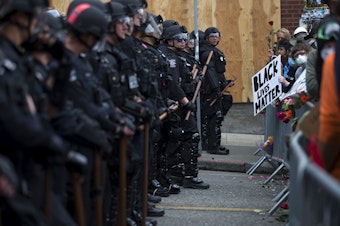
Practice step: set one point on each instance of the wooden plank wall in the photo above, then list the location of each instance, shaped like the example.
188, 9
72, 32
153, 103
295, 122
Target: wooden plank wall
243, 25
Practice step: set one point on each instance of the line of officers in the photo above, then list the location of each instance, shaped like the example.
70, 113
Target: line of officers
98, 113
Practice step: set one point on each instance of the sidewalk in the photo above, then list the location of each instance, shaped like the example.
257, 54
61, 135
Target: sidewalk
241, 157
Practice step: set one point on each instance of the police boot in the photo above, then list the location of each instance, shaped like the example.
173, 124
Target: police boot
137, 215
176, 174
154, 198
130, 222
157, 189
167, 182
195, 182
153, 211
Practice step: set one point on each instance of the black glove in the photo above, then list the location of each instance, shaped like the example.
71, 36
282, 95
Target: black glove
76, 161
170, 102
190, 106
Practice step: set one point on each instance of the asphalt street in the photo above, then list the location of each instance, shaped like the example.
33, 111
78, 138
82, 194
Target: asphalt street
232, 199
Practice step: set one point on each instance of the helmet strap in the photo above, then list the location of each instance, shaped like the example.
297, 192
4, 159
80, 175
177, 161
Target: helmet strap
78, 36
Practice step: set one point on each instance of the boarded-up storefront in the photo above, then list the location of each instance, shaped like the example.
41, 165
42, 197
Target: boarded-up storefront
243, 25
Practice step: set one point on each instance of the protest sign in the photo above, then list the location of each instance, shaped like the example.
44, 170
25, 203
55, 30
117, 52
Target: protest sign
266, 86
299, 86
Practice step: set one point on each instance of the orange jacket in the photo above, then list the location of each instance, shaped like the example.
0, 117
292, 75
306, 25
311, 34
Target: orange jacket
329, 131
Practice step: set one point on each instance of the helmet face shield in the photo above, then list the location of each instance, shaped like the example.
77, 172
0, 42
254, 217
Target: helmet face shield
143, 15
181, 37
125, 20
153, 29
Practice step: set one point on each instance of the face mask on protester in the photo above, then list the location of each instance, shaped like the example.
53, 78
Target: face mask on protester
301, 60
291, 62
325, 52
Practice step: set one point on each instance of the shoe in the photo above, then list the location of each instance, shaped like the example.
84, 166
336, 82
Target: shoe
166, 181
130, 222
152, 221
151, 204
174, 189
157, 189
155, 212
196, 183
177, 180
154, 198
161, 191
137, 216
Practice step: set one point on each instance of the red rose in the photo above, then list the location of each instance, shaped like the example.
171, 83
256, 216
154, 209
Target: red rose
286, 120
280, 115
271, 23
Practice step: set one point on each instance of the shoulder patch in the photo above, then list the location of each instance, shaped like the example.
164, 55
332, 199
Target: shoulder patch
172, 63
7, 65
73, 76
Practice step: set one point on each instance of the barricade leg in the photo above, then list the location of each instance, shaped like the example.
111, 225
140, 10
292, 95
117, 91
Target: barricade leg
274, 173
257, 151
256, 165
259, 162
274, 208
278, 196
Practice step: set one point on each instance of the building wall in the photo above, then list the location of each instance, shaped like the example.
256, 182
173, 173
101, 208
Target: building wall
291, 11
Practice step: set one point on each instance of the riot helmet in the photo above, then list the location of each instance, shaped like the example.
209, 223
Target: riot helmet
211, 31
75, 3
168, 23
174, 30
154, 26
192, 39
135, 6
54, 21
27, 6
86, 18
117, 11
144, 4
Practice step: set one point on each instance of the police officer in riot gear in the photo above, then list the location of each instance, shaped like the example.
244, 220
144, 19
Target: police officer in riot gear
131, 46
86, 26
181, 130
25, 138
122, 84
153, 68
213, 85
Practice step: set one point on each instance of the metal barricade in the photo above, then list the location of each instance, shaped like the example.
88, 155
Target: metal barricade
314, 194
279, 158
279, 130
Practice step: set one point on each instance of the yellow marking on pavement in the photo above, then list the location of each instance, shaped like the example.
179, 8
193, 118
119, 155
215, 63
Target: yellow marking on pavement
211, 208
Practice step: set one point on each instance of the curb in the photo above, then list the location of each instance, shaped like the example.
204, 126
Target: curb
230, 166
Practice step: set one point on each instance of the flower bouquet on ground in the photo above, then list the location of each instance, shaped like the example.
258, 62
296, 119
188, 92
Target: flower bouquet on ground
268, 145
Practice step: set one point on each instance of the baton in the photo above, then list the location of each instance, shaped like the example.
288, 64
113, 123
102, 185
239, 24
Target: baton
121, 212
78, 198
47, 195
146, 173
165, 114
225, 88
98, 188
199, 83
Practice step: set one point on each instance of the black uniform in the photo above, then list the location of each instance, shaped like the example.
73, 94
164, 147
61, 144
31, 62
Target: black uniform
179, 149
214, 83
24, 138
